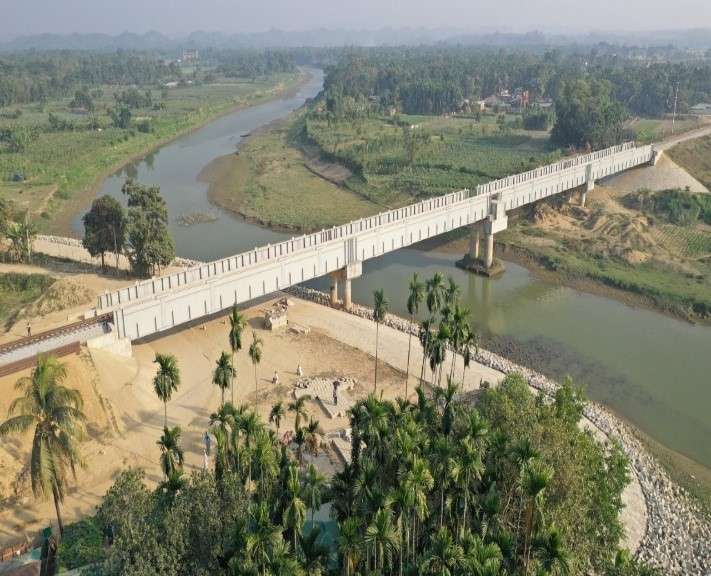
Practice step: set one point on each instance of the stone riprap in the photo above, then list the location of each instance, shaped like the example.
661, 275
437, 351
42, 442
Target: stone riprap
678, 535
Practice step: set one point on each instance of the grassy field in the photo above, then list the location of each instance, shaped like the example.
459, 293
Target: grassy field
648, 130
448, 153
59, 167
270, 183
695, 157
18, 291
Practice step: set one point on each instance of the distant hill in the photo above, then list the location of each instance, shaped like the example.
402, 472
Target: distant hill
699, 39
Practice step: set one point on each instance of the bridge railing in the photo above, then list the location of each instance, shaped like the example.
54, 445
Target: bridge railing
155, 286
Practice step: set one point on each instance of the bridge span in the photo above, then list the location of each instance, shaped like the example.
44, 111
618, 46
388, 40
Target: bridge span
162, 303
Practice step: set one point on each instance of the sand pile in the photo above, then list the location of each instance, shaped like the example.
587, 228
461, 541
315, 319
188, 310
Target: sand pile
61, 295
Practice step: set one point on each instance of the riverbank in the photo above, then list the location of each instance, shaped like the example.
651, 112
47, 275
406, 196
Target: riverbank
64, 211
677, 537
270, 182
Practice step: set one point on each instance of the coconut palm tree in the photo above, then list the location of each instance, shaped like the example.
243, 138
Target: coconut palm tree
298, 407
223, 374
55, 413
349, 544
295, 508
237, 324
415, 298
166, 380
171, 454
380, 307
276, 414
255, 354
383, 536
314, 486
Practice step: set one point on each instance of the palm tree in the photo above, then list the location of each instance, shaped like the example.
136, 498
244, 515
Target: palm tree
262, 539
21, 236
171, 454
480, 559
282, 562
223, 374
166, 380
468, 467
444, 556
383, 536
443, 457
451, 292
313, 434
315, 553
55, 412
314, 485
298, 406
425, 337
414, 299
255, 354
379, 309
536, 476
438, 351
265, 459
471, 340
349, 544
435, 293
295, 509
419, 482
276, 414
459, 329
237, 324
551, 552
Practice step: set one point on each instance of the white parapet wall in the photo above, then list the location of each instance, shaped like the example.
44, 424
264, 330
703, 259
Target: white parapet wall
162, 303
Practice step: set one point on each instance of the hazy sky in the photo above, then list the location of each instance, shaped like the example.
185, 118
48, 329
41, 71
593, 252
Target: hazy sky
21, 17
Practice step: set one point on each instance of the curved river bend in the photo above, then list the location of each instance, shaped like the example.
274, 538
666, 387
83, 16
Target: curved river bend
653, 370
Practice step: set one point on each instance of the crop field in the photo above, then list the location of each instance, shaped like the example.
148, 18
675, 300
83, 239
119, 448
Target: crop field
59, 164
686, 241
646, 130
422, 156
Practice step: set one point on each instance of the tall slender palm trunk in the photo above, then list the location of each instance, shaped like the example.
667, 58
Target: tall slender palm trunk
256, 389
232, 384
165, 414
55, 495
409, 346
377, 338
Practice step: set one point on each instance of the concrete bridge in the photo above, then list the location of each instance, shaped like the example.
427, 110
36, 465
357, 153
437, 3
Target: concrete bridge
162, 303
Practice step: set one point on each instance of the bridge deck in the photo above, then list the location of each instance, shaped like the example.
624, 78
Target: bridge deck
161, 303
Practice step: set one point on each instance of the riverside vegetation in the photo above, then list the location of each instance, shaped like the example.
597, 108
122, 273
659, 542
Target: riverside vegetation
504, 482
67, 120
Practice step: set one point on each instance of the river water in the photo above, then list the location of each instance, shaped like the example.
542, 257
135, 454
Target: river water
653, 370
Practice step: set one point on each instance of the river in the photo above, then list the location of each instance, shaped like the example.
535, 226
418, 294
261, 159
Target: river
653, 370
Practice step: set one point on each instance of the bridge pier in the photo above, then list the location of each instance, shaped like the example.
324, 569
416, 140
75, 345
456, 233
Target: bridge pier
334, 287
489, 262
474, 242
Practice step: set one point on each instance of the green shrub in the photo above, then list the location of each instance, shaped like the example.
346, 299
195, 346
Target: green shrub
81, 544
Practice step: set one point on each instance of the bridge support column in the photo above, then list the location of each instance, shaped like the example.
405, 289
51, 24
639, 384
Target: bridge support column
489, 250
334, 287
353, 270
474, 242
